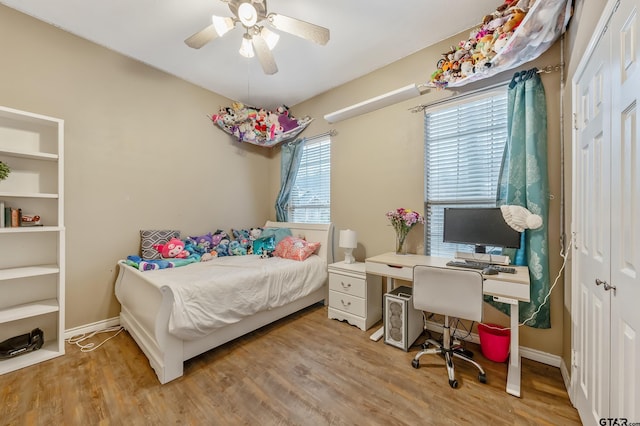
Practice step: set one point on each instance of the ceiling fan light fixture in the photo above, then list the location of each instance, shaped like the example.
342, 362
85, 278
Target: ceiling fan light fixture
247, 14
270, 37
222, 25
246, 48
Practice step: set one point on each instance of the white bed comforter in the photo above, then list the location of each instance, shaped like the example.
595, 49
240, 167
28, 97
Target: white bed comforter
210, 295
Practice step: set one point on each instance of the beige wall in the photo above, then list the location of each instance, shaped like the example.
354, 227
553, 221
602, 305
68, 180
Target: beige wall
378, 164
140, 153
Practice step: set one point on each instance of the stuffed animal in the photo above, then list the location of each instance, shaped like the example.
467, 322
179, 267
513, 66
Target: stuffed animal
240, 233
484, 46
218, 236
287, 123
203, 242
235, 249
174, 248
222, 249
466, 67
220, 243
148, 264
242, 236
501, 41
254, 233
516, 17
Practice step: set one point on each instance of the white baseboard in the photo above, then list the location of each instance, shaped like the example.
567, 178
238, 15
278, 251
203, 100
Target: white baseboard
532, 354
90, 328
566, 376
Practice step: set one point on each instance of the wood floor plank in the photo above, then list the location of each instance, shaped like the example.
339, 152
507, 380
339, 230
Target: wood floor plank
302, 370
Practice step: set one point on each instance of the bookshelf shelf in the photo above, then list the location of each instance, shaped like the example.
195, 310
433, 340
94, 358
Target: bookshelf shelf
28, 310
28, 271
31, 155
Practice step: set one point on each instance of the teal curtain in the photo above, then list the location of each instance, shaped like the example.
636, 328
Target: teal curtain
290, 156
524, 182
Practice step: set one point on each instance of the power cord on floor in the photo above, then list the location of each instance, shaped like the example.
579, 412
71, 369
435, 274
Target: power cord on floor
88, 347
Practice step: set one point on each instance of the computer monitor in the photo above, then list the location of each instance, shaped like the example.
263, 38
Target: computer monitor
480, 227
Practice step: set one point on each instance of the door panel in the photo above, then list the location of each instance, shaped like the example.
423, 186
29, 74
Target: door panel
625, 210
592, 239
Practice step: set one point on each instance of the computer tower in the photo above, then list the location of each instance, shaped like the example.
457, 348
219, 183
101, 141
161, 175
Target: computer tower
402, 323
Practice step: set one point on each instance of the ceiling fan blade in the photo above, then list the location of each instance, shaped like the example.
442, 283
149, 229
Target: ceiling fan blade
299, 28
201, 38
264, 55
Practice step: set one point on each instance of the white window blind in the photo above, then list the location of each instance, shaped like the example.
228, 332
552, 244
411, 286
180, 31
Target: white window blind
310, 200
464, 144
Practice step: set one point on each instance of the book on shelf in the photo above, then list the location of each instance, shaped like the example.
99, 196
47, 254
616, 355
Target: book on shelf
16, 217
7, 217
2, 223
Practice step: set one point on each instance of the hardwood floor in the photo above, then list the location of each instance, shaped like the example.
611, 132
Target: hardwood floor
302, 370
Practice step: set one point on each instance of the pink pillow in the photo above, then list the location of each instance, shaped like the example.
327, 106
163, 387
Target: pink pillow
295, 248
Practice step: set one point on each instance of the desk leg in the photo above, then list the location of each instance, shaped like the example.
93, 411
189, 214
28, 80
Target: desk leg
515, 367
377, 335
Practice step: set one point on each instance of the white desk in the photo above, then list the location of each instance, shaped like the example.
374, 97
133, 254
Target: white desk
506, 288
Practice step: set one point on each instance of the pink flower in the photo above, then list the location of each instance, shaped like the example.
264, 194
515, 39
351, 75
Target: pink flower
403, 219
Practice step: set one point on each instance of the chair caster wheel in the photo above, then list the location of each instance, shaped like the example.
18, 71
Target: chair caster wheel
415, 363
453, 383
482, 378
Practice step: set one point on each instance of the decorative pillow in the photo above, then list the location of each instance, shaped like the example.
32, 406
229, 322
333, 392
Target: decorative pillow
151, 237
267, 244
279, 233
295, 248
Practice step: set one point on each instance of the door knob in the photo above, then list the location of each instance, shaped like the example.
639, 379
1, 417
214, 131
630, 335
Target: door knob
607, 286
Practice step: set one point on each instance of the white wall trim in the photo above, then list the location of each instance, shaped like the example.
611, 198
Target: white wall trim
567, 379
532, 354
90, 328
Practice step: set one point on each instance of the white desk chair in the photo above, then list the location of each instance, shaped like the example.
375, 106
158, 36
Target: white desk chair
449, 292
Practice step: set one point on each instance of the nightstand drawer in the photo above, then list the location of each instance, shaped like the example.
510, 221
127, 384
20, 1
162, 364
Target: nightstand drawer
347, 303
348, 285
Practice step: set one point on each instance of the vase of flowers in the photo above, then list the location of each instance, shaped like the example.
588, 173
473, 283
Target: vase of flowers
402, 221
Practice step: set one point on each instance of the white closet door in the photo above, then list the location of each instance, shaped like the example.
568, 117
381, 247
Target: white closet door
625, 212
591, 226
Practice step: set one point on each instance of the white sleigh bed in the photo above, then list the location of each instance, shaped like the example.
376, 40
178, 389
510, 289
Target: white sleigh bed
146, 308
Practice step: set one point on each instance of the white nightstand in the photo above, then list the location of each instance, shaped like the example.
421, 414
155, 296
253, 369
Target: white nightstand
354, 296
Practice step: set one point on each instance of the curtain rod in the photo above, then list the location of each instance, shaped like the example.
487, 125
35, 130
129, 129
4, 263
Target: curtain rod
331, 132
419, 108
551, 68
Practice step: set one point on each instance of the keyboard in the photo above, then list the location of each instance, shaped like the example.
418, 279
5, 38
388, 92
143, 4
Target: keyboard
480, 266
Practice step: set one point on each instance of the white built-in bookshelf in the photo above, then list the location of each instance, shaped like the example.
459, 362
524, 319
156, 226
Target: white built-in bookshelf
32, 259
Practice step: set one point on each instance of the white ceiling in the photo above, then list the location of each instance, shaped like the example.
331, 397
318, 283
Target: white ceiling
365, 35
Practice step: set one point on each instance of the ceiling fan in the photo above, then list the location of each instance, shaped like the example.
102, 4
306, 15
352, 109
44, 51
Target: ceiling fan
253, 15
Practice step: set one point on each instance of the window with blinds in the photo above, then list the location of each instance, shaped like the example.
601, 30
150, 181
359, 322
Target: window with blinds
310, 200
464, 143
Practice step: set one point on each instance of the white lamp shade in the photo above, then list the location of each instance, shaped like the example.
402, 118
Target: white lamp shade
348, 239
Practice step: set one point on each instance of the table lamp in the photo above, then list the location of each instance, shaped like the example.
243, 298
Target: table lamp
348, 241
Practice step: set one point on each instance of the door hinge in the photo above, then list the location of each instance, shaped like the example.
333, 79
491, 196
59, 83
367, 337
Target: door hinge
574, 358
575, 121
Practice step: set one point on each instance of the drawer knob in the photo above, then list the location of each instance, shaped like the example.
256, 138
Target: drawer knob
345, 286
345, 304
